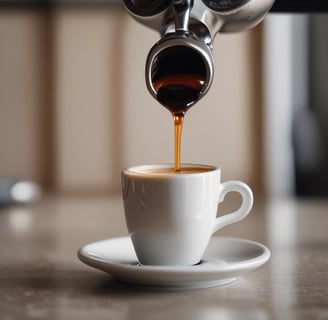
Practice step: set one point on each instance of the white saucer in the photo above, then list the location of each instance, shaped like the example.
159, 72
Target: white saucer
224, 260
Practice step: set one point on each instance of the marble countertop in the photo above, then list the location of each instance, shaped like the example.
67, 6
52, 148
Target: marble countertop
42, 278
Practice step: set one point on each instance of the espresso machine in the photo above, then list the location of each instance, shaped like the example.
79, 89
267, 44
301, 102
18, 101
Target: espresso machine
187, 29
193, 24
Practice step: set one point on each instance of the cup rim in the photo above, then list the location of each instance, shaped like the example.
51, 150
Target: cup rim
136, 170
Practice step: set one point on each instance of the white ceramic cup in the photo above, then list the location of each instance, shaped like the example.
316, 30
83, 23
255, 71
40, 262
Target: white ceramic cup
172, 216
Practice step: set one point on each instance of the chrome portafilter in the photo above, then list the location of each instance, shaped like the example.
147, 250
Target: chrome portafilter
187, 29
179, 55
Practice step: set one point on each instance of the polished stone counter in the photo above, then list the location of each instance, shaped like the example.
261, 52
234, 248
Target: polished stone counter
42, 278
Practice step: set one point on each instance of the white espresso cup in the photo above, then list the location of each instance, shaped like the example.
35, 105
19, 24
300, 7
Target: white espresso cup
171, 216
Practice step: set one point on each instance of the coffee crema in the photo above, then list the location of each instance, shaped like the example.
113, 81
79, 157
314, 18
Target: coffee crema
170, 170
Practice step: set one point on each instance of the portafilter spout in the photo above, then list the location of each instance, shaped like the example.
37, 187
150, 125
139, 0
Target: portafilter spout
181, 51
188, 29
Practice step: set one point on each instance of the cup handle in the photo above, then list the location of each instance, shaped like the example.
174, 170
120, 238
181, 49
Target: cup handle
247, 202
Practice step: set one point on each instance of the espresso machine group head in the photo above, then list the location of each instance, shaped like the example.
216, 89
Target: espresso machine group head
188, 28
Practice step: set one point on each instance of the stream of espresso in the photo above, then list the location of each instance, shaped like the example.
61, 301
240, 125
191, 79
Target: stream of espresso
178, 92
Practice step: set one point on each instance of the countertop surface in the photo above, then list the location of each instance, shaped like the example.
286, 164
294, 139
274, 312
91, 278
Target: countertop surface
42, 278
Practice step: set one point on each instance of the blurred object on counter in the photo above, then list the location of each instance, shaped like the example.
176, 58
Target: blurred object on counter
18, 191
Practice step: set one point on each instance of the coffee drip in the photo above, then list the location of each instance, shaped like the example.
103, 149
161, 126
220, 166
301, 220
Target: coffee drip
179, 67
179, 84
180, 72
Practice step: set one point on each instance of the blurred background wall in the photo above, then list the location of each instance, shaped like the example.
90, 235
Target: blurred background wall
74, 108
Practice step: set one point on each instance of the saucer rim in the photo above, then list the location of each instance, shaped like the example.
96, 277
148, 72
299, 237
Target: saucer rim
135, 271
